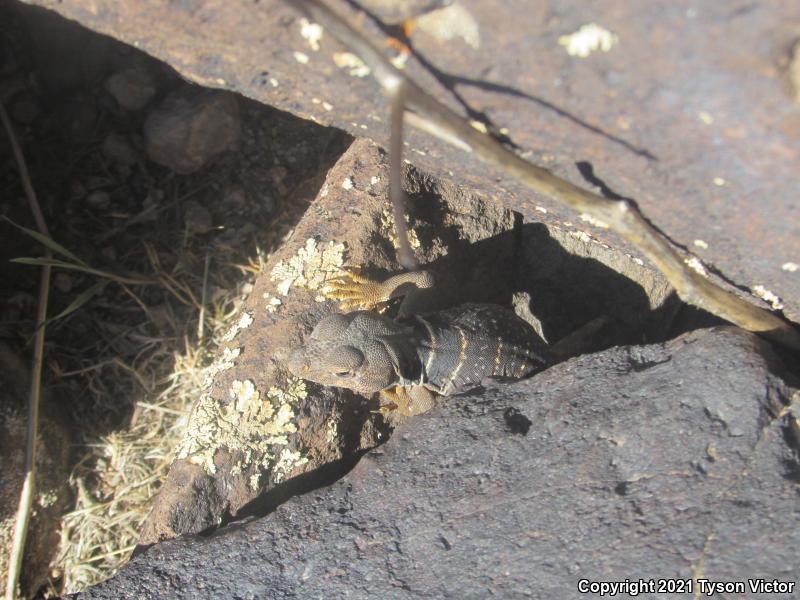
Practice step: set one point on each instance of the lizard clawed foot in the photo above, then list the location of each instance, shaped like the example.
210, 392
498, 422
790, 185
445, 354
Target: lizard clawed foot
356, 291
396, 401
407, 400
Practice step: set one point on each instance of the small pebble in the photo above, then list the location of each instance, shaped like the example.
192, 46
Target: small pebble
99, 199
189, 129
133, 88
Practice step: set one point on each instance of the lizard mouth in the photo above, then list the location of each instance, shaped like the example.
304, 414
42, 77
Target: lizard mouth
298, 364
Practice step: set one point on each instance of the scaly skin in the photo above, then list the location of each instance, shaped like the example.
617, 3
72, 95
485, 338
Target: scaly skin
411, 360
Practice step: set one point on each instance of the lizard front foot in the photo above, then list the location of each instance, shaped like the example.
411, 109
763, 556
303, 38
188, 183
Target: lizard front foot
407, 400
356, 291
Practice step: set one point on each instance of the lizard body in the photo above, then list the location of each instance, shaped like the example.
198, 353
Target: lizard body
411, 359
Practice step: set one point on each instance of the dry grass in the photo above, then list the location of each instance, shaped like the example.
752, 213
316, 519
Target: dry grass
119, 474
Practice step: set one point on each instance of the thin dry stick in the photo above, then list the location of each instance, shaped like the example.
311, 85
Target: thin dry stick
621, 215
203, 299
29, 485
397, 196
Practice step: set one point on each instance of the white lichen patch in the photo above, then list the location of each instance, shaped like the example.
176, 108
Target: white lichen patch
224, 360
399, 61
705, 117
245, 320
327, 106
541, 209
273, 82
719, 181
589, 38
288, 461
272, 303
696, 265
347, 184
451, 22
767, 296
301, 57
587, 218
312, 33
478, 125
388, 230
348, 60
701, 244
247, 425
332, 431
790, 267
581, 235
312, 266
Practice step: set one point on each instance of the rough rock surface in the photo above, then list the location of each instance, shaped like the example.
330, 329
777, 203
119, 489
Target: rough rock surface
646, 462
233, 454
689, 110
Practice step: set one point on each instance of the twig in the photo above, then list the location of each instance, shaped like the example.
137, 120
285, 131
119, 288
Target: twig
29, 485
203, 299
397, 196
621, 215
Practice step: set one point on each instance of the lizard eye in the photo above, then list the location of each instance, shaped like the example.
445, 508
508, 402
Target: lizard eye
344, 360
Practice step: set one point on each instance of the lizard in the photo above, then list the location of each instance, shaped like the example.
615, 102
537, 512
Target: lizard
417, 356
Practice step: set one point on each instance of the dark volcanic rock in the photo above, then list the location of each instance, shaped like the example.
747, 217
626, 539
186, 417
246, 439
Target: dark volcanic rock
638, 462
703, 133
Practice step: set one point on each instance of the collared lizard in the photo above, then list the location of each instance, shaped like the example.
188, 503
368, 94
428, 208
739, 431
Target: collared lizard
417, 356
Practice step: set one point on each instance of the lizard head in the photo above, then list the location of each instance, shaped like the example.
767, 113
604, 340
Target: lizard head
355, 350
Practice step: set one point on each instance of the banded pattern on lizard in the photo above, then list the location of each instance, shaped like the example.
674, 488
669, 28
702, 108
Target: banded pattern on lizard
411, 359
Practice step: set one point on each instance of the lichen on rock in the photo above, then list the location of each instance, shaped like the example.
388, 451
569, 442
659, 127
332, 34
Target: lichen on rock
311, 267
248, 425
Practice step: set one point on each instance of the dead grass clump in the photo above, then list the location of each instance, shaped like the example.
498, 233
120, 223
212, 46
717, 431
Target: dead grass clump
118, 475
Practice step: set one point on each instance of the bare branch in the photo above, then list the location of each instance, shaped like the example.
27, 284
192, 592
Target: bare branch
621, 215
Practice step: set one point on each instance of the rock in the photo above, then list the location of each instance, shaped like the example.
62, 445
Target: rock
133, 88
621, 464
189, 129
118, 148
478, 251
667, 129
219, 476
